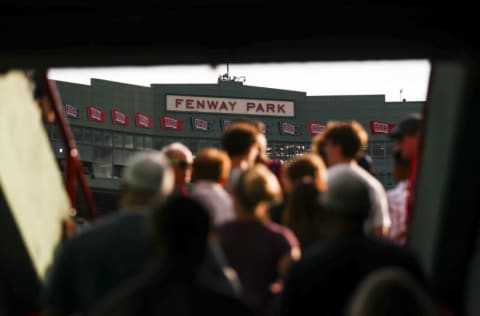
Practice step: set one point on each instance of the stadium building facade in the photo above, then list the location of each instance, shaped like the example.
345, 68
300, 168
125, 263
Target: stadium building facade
110, 121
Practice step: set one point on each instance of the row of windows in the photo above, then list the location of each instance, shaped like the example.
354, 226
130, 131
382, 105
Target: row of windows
105, 153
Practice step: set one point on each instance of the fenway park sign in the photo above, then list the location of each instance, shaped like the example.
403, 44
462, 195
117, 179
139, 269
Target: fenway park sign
230, 106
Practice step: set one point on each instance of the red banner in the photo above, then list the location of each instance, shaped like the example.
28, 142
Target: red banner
314, 128
142, 120
287, 128
377, 127
119, 117
71, 111
95, 114
170, 123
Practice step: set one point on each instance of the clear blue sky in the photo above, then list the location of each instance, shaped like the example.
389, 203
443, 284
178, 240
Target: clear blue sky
325, 78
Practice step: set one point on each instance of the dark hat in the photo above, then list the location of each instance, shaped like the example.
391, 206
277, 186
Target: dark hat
408, 125
348, 192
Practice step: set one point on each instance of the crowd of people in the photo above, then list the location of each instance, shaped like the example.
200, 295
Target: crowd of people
231, 232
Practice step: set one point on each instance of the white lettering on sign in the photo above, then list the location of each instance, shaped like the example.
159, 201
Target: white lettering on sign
179, 103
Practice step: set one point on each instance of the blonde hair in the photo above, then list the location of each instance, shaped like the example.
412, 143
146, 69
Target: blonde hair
255, 185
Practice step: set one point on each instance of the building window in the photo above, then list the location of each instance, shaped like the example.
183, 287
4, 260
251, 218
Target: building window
378, 149
129, 141
148, 142
117, 171
98, 137
87, 136
103, 154
121, 156
108, 139
158, 143
118, 140
138, 142
77, 134
102, 170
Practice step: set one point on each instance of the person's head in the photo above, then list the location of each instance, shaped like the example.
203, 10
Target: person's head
181, 227
303, 212
211, 164
146, 180
342, 141
256, 186
240, 142
407, 134
181, 159
306, 165
401, 166
391, 291
346, 202
366, 162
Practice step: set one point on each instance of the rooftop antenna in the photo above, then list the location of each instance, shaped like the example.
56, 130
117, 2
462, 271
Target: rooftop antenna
226, 77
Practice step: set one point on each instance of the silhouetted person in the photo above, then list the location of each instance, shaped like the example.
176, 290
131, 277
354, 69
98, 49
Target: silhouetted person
330, 270
101, 256
171, 285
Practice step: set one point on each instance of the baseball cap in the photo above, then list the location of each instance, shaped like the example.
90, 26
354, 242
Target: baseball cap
409, 124
149, 173
348, 192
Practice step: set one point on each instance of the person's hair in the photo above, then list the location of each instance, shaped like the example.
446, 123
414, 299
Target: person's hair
391, 291
180, 229
255, 185
211, 164
239, 138
318, 146
350, 135
303, 213
366, 162
178, 147
308, 164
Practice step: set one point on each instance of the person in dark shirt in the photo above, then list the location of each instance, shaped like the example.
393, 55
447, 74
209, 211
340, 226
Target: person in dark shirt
171, 285
330, 269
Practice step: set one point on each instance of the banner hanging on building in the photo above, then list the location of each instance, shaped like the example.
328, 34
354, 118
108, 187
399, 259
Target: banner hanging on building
314, 128
72, 111
95, 114
377, 127
142, 120
288, 128
181, 103
201, 125
168, 122
119, 117
225, 124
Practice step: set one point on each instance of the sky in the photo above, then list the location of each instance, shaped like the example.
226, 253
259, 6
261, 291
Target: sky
397, 80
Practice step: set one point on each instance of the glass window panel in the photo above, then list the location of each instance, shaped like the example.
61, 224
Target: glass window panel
378, 149
138, 141
98, 137
128, 141
121, 156
148, 142
103, 154
77, 134
102, 170
108, 139
118, 140
158, 143
117, 171
389, 149
85, 152
87, 136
